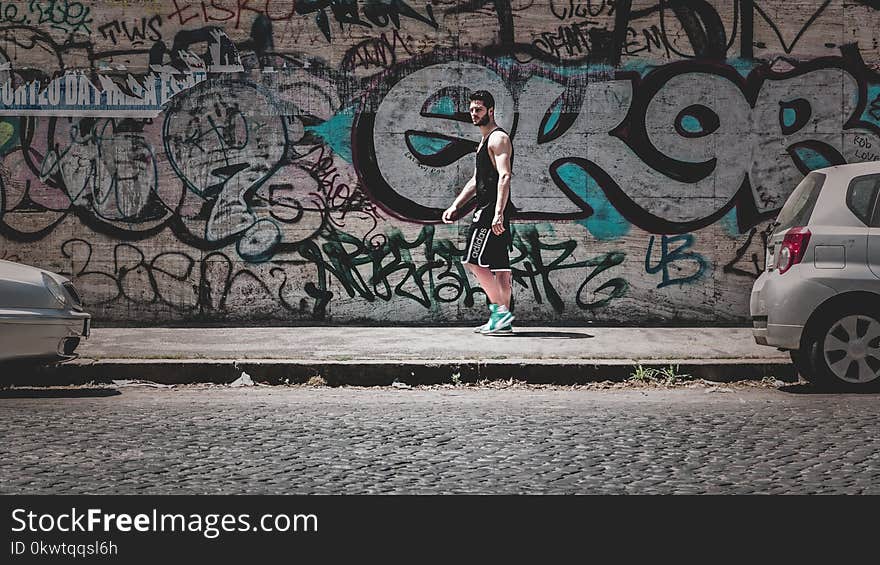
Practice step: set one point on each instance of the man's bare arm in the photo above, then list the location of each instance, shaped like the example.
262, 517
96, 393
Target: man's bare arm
470, 188
502, 150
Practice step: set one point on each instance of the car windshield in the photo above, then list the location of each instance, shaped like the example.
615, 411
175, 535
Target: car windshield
799, 206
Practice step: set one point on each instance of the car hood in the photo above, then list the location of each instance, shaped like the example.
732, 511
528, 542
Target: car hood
22, 286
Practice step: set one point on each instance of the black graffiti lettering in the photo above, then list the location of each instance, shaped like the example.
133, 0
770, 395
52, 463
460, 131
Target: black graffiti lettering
655, 39
703, 26
139, 34
322, 298
154, 23
379, 52
9, 14
64, 15
863, 142
568, 40
441, 277
788, 47
649, 40
135, 33
379, 14
564, 9
111, 28
170, 282
337, 198
756, 261
284, 208
617, 286
530, 246
630, 46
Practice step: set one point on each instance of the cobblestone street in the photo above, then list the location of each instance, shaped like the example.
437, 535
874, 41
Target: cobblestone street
310, 440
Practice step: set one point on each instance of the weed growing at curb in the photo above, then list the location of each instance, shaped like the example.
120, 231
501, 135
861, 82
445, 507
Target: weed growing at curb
666, 376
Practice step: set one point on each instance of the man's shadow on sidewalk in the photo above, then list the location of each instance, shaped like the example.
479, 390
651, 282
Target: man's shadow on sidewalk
37, 392
548, 335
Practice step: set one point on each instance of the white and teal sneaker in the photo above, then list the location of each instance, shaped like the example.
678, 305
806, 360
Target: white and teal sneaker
501, 321
492, 309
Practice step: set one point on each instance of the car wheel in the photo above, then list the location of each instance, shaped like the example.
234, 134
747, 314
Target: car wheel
846, 350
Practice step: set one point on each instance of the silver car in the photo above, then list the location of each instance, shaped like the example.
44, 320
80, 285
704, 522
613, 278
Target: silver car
41, 315
819, 295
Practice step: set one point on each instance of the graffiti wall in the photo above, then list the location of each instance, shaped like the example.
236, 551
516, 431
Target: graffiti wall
257, 161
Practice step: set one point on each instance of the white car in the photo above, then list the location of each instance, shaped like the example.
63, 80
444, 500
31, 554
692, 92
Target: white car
41, 315
819, 295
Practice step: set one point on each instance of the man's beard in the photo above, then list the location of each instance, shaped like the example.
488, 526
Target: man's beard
483, 121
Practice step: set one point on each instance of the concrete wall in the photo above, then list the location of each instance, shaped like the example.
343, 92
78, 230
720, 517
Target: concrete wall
256, 161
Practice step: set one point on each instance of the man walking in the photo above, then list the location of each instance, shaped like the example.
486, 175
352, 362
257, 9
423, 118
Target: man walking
489, 236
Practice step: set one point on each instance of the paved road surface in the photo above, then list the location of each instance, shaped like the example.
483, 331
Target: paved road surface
306, 440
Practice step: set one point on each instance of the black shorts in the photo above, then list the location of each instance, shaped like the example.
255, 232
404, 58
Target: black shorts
484, 248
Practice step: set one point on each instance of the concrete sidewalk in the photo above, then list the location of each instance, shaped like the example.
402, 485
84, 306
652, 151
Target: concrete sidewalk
413, 355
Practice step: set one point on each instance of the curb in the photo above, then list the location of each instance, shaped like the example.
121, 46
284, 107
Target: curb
385, 372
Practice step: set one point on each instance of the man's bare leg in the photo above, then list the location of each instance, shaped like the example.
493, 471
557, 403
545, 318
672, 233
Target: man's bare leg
503, 280
488, 282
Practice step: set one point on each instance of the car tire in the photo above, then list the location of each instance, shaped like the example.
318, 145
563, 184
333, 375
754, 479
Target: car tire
843, 349
802, 364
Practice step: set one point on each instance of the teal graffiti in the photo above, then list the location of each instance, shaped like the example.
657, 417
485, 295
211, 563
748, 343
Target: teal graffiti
691, 124
553, 119
336, 132
872, 108
639, 66
606, 223
730, 224
744, 66
444, 106
811, 158
789, 117
428, 145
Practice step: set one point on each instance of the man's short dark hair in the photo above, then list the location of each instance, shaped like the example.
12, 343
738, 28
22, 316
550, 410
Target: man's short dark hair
484, 97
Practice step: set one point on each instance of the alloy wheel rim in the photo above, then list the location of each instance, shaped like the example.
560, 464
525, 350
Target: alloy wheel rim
852, 349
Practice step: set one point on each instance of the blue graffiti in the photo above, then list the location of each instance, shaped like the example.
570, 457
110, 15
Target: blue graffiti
730, 224
444, 106
427, 144
872, 108
605, 223
337, 132
669, 257
811, 158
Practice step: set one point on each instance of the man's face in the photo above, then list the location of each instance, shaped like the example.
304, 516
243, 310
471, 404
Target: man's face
479, 113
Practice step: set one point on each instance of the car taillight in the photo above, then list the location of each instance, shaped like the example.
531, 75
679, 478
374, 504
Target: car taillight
794, 245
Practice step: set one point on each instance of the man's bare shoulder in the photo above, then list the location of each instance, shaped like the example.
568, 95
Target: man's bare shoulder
499, 141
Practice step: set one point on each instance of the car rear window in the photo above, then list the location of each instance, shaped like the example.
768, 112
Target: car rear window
861, 194
799, 206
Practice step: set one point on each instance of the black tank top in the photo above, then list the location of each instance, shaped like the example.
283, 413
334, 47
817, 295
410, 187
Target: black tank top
487, 178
